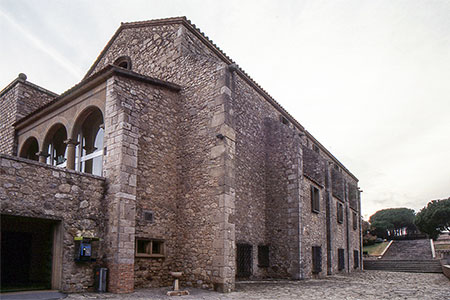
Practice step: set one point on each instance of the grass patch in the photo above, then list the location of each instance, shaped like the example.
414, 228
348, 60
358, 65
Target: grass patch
377, 249
442, 246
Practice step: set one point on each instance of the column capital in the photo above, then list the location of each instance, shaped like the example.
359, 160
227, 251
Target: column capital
43, 154
71, 142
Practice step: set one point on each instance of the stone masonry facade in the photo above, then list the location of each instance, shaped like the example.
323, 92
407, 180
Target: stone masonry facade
75, 201
201, 170
19, 99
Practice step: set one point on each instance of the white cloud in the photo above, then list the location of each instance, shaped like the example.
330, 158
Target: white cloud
37, 43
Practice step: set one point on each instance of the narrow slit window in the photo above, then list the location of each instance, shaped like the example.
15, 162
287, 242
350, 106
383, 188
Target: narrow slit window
315, 199
355, 221
340, 212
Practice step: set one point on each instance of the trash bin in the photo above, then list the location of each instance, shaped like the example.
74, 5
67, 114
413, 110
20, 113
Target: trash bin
100, 279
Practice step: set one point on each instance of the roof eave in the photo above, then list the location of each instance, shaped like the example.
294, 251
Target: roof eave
213, 47
88, 84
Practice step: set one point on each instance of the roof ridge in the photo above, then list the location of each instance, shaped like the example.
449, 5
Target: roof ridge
22, 78
209, 43
184, 20
148, 22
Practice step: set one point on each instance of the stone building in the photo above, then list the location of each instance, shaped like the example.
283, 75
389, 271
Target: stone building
166, 157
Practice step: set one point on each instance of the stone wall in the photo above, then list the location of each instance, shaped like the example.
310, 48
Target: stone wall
267, 182
314, 228
154, 51
284, 205
223, 133
31, 97
338, 185
250, 113
314, 166
207, 175
205, 240
32, 189
19, 99
8, 108
157, 177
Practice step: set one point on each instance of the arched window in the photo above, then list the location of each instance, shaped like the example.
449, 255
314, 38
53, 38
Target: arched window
123, 62
30, 149
56, 147
89, 150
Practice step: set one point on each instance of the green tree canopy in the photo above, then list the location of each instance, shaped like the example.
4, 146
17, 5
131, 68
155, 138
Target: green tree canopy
392, 220
434, 218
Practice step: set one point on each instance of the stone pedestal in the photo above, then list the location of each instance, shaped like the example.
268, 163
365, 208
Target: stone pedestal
176, 285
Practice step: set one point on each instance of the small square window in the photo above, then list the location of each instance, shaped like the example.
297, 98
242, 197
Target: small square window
340, 212
149, 216
149, 248
315, 199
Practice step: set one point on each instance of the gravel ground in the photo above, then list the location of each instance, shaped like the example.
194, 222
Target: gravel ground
359, 285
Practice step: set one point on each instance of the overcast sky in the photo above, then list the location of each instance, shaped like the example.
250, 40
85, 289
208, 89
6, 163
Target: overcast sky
369, 79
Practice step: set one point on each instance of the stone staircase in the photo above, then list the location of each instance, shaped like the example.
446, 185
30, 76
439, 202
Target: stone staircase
412, 266
407, 256
409, 250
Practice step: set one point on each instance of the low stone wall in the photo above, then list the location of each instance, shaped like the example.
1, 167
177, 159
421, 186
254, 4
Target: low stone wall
73, 199
446, 270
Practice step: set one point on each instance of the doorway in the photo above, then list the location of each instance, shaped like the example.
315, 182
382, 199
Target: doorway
28, 256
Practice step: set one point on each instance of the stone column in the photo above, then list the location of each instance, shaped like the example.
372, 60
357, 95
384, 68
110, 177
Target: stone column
347, 216
294, 173
330, 221
43, 157
71, 144
224, 152
121, 131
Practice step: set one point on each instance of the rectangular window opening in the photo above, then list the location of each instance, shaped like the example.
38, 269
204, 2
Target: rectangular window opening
149, 248
341, 259
355, 259
355, 221
340, 212
315, 199
149, 216
263, 256
316, 259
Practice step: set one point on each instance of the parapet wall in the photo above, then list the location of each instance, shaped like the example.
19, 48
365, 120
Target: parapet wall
36, 190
